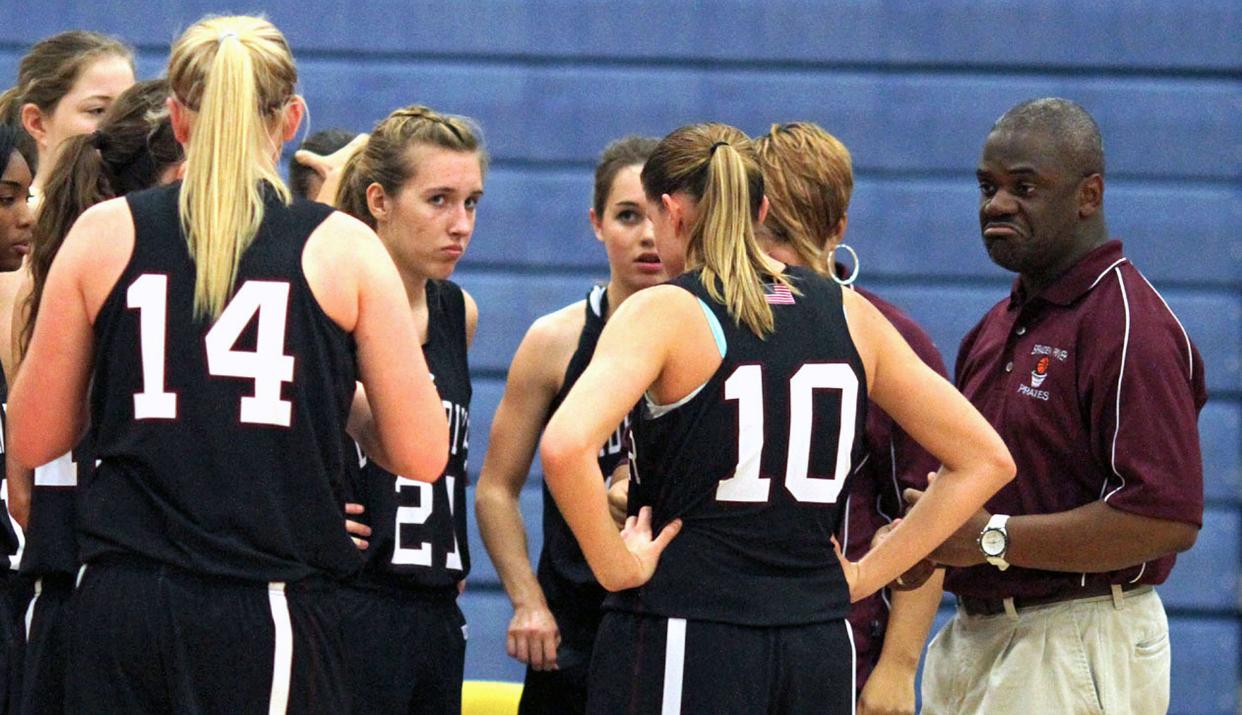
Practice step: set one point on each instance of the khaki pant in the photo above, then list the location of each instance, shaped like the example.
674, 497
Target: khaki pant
1093, 655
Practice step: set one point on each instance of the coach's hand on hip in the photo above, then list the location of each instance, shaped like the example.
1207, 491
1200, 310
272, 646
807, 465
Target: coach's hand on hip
962, 548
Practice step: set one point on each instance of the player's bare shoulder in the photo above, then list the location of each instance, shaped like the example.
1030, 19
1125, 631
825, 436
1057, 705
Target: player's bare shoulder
549, 344
341, 259
342, 240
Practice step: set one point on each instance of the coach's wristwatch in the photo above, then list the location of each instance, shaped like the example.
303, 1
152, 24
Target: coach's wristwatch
994, 541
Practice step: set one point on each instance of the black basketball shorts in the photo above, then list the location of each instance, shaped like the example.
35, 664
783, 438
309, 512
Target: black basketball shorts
666, 666
148, 638
406, 650
47, 644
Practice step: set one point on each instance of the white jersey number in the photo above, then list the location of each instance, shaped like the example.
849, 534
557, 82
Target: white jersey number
267, 365
746, 386
420, 555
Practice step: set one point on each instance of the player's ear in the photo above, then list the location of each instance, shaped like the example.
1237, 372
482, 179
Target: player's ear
838, 233
178, 115
763, 210
33, 122
674, 209
293, 114
597, 224
379, 203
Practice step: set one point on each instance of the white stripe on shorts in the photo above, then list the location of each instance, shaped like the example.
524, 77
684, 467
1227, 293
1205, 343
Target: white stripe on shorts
282, 667
849, 632
674, 665
38, 589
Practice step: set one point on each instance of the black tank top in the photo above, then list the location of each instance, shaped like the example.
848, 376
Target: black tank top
755, 464
563, 571
220, 443
418, 530
9, 543
51, 538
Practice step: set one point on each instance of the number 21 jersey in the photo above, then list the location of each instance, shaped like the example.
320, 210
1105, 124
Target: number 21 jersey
418, 530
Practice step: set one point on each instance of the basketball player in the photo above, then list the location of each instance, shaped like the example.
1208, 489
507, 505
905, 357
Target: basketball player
556, 614
417, 181
220, 327
754, 378
16, 223
808, 180
65, 83
133, 148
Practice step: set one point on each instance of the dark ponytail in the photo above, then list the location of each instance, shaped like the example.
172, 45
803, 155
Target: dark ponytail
133, 146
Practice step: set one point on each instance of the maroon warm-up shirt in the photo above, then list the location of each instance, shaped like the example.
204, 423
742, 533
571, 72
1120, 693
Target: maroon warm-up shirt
893, 461
1096, 389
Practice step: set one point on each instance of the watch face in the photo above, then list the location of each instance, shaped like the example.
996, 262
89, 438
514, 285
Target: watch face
992, 542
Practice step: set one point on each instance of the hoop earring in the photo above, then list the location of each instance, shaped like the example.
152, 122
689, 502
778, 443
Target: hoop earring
832, 264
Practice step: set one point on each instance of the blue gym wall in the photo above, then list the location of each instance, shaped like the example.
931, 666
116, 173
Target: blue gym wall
910, 87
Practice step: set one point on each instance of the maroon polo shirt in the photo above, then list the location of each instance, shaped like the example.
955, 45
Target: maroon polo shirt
1096, 389
892, 462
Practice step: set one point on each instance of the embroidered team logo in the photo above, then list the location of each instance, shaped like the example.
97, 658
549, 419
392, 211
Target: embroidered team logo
1040, 373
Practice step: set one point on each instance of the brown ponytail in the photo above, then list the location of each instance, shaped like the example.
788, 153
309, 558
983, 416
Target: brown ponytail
133, 146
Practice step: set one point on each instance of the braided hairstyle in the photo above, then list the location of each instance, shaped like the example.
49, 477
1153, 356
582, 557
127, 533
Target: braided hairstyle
386, 159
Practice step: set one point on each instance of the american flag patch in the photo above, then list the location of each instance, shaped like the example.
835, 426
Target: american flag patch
778, 294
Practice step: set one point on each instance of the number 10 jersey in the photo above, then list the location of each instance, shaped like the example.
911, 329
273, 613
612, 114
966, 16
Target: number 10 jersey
755, 464
219, 442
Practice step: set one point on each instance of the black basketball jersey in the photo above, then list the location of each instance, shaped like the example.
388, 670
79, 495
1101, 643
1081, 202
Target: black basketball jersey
9, 542
51, 530
418, 530
561, 561
220, 442
754, 463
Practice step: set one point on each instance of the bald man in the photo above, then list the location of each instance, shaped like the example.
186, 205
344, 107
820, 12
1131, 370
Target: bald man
1096, 389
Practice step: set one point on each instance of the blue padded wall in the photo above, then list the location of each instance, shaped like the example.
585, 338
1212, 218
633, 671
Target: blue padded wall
910, 87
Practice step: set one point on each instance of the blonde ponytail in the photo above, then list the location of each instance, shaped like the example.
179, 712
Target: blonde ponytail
715, 164
238, 75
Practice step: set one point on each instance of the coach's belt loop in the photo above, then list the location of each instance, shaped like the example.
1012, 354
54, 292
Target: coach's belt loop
1119, 599
1010, 609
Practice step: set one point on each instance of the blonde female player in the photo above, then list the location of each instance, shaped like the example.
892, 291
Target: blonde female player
557, 612
219, 331
417, 181
753, 378
808, 179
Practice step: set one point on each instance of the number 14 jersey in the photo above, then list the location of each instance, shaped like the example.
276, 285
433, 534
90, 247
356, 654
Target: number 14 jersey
755, 464
219, 442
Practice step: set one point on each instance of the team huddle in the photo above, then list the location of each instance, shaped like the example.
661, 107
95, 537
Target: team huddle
238, 415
